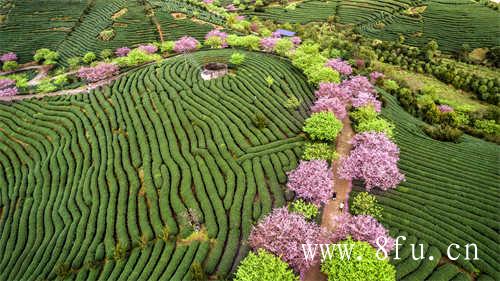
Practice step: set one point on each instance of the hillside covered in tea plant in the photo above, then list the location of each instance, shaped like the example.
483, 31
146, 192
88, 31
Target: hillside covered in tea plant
210, 140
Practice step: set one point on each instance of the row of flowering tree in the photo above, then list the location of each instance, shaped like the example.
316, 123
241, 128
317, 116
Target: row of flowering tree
285, 230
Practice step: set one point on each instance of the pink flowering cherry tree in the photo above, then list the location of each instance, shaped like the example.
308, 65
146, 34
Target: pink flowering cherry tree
443, 108
333, 90
99, 72
122, 52
8, 88
376, 76
186, 44
268, 43
283, 233
362, 99
312, 181
148, 49
373, 159
216, 38
8, 57
362, 228
340, 65
332, 104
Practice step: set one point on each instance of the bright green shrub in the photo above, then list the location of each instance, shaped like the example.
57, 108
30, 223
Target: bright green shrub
264, 266
10, 65
363, 114
283, 46
319, 151
487, 126
368, 268
237, 58
73, 62
21, 80
376, 125
46, 86
319, 73
390, 86
60, 79
167, 46
292, 103
136, 57
322, 126
89, 57
366, 204
46, 56
106, 54
308, 210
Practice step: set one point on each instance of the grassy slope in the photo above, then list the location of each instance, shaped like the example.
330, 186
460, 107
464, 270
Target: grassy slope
446, 93
450, 194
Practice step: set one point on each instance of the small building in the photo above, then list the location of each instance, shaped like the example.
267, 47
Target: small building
213, 70
284, 33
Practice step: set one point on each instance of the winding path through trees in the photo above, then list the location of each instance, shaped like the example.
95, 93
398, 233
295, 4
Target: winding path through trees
342, 188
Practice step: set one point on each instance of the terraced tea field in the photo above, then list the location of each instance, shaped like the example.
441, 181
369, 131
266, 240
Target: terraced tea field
112, 184
76, 29
451, 23
450, 196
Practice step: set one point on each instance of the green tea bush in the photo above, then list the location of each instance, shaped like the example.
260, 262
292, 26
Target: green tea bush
366, 204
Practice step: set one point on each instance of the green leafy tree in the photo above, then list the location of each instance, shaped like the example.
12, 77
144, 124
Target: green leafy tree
369, 267
167, 46
366, 204
73, 62
10, 65
283, 46
378, 125
106, 54
263, 266
46, 56
319, 73
319, 151
322, 126
237, 58
89, 57
292, 103
308, 210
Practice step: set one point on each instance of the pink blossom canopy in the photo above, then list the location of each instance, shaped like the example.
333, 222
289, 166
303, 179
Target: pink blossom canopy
312, 181
231, 8
8, 57
373, 159
121, 52
208, 1
6, 83
7, 92
186, 44
445, 108
283, 233
98, 72
362, 228
296, 40
268, 43
364, 98
332, 104
375, 76
148, 49
332, 90
220, 34
339, 65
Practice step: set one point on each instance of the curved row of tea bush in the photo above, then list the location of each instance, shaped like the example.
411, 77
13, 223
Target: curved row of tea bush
144, 178
449, 193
